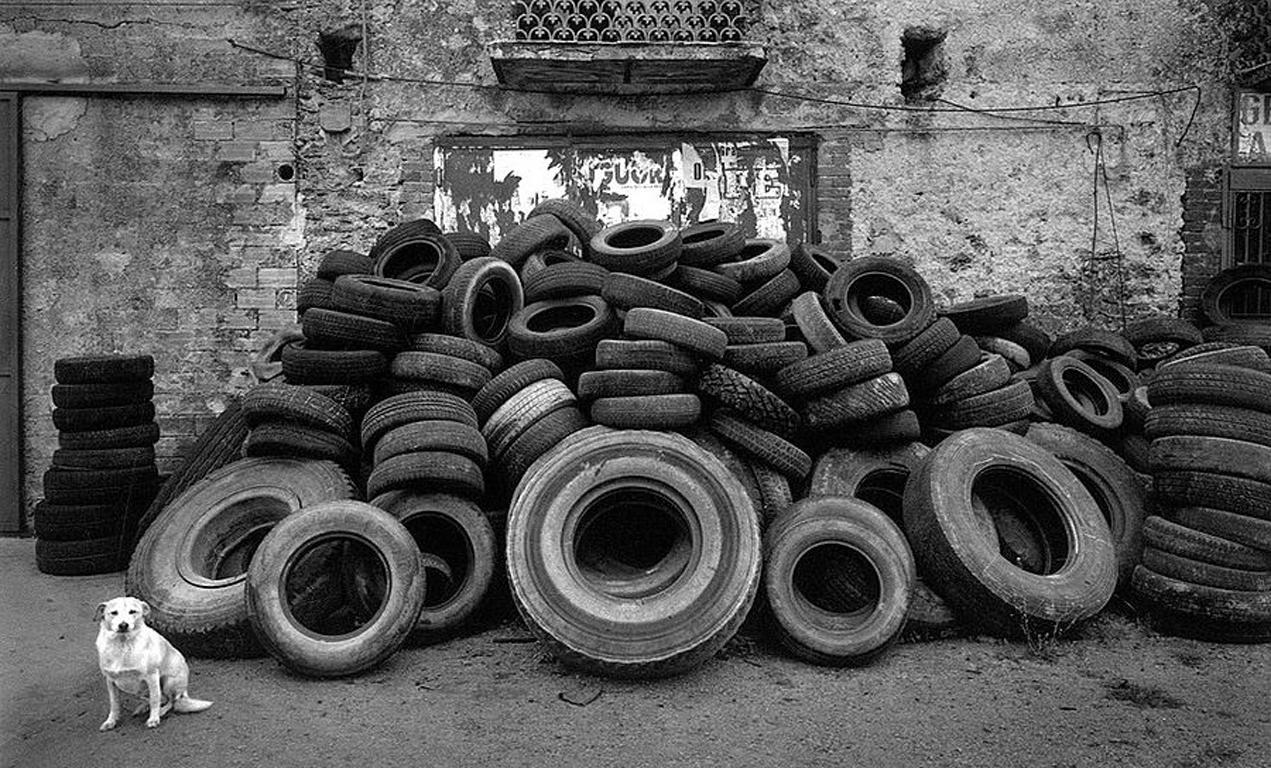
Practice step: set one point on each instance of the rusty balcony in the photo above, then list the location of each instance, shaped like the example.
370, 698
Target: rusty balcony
637, 46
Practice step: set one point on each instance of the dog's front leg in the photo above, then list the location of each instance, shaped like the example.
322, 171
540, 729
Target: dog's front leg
113, 718
156, 698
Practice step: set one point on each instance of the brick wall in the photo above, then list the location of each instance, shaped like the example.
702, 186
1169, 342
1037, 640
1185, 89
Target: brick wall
1202, 235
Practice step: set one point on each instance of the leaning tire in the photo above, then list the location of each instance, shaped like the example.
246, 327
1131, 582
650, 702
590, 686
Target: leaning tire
838, 575
304, 650
455, 531
190, 565
957, 549
480, 300
593, 609
1114, 486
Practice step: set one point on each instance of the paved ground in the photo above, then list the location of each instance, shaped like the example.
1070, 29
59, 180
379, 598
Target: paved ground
1117, 695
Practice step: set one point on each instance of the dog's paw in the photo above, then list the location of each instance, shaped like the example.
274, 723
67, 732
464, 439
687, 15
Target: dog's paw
152, 722
108, 725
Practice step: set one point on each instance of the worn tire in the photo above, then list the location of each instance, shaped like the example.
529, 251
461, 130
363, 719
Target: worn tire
1211, 385
964, 564
96, 419
409, 305
411, 407
443, 371
1178, 539
103, 369
448, 436
82, 557
986, 315
879, 276
298, 404
454, 346
511, 381
769, 296
926, 348
626, 291
857, 403
481, 299
119, 437
302, 364
830, 607
318, 654
815, 325
101, 394
565, 330
662, 620
1215, 299
761, 445
645, 354
710, 243
1207, 613
674, 411
664, 325
749, 398
1078, 396
640, 247
536, 233
759, 260
1242, 529
457, 532
1111, 482
333, 329
521, 410
541, 436
627, 383
749, 330
834, 369
210, 526
431, 470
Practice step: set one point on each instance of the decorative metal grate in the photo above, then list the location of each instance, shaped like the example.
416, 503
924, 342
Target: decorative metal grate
1251, 244
619, 21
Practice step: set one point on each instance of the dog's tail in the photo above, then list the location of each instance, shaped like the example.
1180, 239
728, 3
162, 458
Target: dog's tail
186, 705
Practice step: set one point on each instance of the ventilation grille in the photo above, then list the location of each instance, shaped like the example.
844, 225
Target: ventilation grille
633, 21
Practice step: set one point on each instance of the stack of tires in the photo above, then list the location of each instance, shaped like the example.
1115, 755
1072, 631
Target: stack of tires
1206, 569
522, 413
444, 363
1235, 302
103, 474
424, 440
298, 421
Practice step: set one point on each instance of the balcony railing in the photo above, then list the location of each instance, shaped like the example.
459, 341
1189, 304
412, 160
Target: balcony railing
634, 21
630, 46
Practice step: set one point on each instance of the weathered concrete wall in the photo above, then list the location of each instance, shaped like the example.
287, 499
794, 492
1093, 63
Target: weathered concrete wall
162, 224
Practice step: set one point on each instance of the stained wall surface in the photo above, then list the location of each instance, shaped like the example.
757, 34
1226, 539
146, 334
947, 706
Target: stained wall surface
165, 225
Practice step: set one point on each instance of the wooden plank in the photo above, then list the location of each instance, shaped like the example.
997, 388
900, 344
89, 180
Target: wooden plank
202, 90
10, 315
626, 68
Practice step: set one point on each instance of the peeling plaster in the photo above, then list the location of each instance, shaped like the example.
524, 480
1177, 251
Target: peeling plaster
39, 55
48, 118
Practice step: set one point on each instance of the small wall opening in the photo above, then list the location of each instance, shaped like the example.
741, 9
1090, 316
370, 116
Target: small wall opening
338, 47
923, 69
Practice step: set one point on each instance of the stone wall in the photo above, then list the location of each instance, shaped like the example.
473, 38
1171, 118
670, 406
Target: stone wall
165, 225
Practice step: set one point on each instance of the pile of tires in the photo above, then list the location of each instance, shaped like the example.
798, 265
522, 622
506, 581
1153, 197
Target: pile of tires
522, 413
103, 475
651, 433
1206, 569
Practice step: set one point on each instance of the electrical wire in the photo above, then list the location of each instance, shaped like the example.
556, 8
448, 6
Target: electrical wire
776, 93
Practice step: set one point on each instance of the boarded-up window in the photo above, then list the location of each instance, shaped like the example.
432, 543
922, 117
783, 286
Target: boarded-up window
764, 184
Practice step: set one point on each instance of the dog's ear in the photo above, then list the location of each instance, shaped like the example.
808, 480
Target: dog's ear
145, 609
100, 614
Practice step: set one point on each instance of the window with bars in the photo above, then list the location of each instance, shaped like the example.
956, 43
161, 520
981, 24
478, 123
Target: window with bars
1249, 240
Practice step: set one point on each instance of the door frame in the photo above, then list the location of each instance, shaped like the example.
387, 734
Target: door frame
11, 465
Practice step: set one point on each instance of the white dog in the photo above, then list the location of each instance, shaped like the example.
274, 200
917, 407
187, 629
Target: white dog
138, 660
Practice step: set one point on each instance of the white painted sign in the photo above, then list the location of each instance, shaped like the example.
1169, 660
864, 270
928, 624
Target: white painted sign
760, 184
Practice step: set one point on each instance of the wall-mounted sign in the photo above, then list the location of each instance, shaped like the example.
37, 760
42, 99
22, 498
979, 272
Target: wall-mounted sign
763, 184
1253, 127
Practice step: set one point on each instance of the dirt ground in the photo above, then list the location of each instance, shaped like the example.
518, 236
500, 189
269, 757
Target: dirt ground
1118, 694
